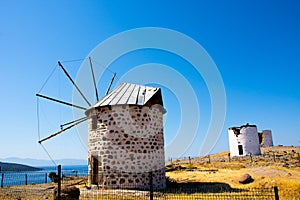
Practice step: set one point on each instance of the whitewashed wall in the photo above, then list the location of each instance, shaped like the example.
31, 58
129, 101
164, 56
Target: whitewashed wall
248, 138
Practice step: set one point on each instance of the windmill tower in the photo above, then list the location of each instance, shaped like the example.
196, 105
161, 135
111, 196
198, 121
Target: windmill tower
266, 138
125, 135
126, 138
244, 140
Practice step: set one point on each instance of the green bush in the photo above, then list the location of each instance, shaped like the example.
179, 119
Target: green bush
53, 176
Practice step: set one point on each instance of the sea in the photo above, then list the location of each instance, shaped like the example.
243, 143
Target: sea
8, 178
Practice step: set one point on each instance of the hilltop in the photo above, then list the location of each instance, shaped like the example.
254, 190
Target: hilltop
16, 167
285, 156
278, 166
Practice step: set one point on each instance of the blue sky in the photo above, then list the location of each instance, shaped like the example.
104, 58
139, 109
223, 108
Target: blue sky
255, 45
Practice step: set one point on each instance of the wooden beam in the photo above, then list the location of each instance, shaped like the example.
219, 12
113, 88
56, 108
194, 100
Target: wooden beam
107, 91
93, 75
62, 102
70, 78
61, 131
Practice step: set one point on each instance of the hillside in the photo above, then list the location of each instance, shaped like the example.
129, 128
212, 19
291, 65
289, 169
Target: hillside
16, 167
278, 166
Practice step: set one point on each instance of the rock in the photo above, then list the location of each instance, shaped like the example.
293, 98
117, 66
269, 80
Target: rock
289, 174
245, 179
68, 193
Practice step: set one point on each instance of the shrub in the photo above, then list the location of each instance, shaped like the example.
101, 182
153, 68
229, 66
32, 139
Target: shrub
171, 183
53, 176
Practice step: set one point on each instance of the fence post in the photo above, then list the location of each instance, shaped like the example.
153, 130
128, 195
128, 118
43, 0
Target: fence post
229, 157
59, 181
276, 193
2, 180
151, 184
46, 180
190, 160
26, 179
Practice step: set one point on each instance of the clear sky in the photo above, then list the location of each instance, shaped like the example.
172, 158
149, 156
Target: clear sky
254, 44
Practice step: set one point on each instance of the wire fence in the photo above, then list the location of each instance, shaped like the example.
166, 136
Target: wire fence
178, 193
131, 194
73, 184
12, 178
21, 178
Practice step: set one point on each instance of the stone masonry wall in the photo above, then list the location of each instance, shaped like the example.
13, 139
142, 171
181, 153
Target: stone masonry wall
128, 142
267, 138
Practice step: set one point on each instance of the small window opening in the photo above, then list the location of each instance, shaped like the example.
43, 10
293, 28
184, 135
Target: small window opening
94, 122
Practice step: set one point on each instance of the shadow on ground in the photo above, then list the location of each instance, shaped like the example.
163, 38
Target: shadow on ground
200, 187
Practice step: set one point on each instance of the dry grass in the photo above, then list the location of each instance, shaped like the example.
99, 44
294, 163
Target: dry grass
283, 173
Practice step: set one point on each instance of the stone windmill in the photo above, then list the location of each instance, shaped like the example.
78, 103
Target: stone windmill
125, 135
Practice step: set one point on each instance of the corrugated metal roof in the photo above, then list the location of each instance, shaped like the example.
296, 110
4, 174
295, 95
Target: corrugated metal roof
127, 94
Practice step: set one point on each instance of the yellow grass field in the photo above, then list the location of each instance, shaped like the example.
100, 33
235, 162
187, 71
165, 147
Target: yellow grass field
284, 172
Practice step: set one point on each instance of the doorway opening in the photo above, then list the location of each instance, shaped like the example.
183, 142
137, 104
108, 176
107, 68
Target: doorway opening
95, 168
241, 152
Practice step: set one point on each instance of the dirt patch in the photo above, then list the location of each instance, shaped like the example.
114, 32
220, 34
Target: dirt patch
269, 172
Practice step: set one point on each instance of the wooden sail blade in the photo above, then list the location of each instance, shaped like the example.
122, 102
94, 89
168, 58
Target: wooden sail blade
70, 78
112, 80
94, 81
59, 101
61, 131
68, 123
